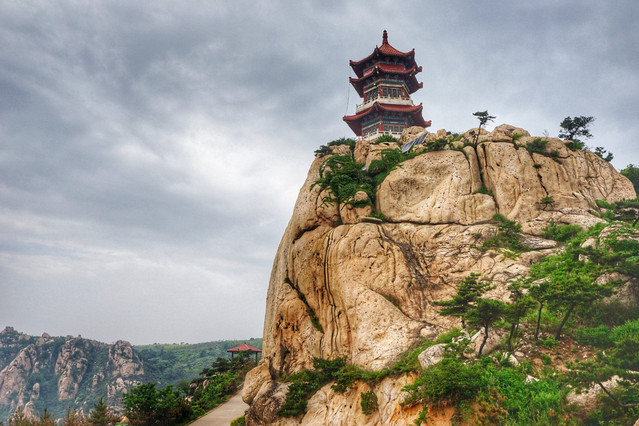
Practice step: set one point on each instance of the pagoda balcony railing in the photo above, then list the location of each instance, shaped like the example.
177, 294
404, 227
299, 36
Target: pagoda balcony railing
377, 133
383, 100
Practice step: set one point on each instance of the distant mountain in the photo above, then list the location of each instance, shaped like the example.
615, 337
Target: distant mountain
58, 373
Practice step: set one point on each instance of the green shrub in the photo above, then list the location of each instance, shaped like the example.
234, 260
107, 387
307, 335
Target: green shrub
611, 314
240, 421
314, 320
549, 342
560, 232
484, 190
326, 150
385, 138
450, 379
436, 145
537, 166
575, 145
323, 151
343, 141
507, 235
369, 402
306, 383
628, 330
379, 169
343, 177
595, 336
537, 146
527, 402
378, 215
546, 202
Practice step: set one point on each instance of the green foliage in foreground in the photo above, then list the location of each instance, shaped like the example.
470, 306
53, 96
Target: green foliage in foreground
146, 404
304, 384
502, 393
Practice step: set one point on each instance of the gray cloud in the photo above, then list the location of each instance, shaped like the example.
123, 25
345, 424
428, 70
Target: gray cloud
151, 152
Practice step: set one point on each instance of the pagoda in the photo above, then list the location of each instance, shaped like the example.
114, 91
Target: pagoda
385, 80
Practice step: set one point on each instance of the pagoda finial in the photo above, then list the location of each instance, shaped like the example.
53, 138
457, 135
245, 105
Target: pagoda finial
385, 37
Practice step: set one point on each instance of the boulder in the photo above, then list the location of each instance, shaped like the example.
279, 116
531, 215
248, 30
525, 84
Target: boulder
494, 337
411, 133
432, 355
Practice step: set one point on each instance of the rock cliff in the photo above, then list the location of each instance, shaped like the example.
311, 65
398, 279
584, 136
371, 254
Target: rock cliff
343, 285
40, 372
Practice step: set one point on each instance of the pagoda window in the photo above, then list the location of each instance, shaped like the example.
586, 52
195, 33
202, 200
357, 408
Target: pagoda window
394, 93
384, 92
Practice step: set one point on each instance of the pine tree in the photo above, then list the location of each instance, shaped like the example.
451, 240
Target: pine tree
100, 415
46, 419
468, 292
486, 314
19, 418
73, 418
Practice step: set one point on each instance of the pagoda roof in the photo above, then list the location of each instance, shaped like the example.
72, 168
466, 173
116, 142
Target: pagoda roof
384, 68
415, 112
381, 51
244, 348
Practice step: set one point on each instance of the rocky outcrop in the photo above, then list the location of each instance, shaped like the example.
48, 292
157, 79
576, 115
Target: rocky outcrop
60, 368
342, 286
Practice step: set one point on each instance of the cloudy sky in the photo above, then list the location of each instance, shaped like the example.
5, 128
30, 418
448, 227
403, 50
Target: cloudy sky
151, 152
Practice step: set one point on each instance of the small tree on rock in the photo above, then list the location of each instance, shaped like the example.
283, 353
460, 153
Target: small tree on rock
483, 118
521, 304
468, 293
575, 128
486, 314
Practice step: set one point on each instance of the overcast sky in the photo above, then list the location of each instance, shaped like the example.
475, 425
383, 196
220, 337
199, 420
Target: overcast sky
151, 152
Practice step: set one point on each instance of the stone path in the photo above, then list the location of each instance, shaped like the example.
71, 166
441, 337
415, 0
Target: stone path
223, 414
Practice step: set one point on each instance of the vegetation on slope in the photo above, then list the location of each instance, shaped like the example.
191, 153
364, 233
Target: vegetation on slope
170, 364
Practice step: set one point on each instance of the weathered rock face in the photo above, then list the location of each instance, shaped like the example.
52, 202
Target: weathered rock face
371, 286
59, 367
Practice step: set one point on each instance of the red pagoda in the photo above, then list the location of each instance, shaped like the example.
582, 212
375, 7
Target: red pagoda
385, 80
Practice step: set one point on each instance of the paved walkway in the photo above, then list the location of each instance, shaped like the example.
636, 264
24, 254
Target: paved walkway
223, 414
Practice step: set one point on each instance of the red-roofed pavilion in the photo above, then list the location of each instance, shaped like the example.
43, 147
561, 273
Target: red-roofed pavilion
244, 348
385, 80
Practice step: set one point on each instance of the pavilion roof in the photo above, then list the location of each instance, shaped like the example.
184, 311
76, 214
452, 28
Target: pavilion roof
383, 68
244, 348
384, 50
415, 112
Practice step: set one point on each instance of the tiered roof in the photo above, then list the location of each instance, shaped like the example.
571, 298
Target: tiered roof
415, 112
384, 50
384, 68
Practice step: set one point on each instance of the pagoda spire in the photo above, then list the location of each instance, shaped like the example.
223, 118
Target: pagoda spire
385, 37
